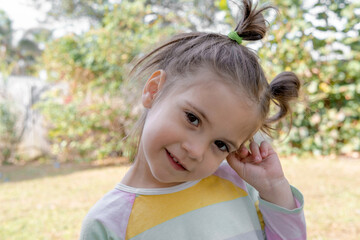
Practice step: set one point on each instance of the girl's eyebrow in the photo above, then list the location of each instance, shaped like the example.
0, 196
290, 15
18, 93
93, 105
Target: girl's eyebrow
203, 115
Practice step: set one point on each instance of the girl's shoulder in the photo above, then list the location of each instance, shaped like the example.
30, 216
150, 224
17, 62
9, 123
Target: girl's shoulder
107, 219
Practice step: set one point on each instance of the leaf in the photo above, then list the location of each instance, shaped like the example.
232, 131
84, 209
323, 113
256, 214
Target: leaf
223, 5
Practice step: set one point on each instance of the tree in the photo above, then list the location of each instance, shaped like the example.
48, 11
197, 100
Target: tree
90, 120
92, 10
320, 43
6, 50
19, 57
15, 58
194, 15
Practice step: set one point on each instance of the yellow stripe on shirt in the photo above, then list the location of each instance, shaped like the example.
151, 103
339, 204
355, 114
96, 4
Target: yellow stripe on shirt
260, 216
151, 210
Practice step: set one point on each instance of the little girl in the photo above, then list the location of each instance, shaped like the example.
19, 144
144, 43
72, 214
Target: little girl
206, 96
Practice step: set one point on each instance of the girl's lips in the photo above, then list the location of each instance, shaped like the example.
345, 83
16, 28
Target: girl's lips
175, 162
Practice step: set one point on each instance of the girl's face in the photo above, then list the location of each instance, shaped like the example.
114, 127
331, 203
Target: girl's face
191, 130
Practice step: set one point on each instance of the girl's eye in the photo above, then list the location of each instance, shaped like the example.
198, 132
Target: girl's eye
221, 145
194, 120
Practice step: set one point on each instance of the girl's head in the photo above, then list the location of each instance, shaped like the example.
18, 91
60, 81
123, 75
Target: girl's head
236, 64
188, 59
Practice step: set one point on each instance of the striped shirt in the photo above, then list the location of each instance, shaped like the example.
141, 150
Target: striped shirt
221, 206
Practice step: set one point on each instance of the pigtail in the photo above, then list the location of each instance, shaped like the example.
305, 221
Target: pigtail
283, 89
252, 25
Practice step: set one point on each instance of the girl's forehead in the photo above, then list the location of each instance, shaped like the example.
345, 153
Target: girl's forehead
201, 73
204, 79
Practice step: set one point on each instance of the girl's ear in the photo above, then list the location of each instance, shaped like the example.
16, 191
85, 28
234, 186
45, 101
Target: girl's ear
152, 87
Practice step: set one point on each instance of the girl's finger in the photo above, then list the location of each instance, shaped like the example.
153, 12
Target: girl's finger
267, 149
255, 152
242, 152
235, 164
264, 149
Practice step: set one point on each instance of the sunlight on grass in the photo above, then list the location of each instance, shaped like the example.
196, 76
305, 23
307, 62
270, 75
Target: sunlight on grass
332, 196
51, 203
52, 207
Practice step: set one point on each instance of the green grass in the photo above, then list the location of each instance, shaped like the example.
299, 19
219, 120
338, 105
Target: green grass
41, 202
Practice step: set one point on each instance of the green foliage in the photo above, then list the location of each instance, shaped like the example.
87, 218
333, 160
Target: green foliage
98, 59
19, 57
326, 121
8, 133
85, 130
6, 51
91, 119
93, 10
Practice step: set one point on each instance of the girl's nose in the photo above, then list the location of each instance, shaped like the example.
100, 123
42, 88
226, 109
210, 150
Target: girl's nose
195, 149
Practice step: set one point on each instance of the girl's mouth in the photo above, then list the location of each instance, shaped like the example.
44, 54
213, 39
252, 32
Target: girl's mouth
175, 163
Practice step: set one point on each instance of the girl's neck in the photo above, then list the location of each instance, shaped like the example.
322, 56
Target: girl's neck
138, 175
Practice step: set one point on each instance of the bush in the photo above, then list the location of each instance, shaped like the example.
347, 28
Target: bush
90, 119
99, 101
8, 133
326, 120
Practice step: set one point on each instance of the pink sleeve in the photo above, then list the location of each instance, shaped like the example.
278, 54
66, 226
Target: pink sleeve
281, 223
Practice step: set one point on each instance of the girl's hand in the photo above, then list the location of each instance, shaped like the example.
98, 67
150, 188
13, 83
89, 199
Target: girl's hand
261, 168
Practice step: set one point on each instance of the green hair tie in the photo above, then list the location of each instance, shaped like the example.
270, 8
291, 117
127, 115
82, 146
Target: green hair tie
234, 36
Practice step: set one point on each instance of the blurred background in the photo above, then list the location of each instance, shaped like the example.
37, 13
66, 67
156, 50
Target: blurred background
66, 103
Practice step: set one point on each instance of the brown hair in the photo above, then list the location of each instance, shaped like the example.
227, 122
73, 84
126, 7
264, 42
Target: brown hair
187, 52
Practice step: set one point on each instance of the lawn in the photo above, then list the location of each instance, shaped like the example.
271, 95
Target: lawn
44, 202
